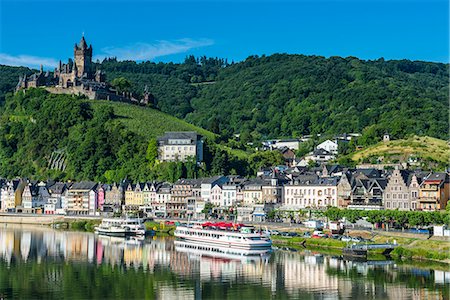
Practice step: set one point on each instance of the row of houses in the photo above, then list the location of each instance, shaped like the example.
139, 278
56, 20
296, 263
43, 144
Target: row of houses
249, 199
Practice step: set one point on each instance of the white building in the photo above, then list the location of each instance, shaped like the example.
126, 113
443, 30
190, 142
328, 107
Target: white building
292, 144
208, 183
318, 156
329, 146
162, 197
229, 194
318, 193
179, 146
216, 195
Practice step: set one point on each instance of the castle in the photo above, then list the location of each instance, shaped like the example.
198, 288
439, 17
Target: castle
77, 77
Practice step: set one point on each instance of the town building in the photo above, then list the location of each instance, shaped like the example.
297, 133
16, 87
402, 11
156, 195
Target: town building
162, 199
177, 205
57, 202
253, 193
208, 183
318, 193
344, 190
292, 144
11, 195
82, 198
402, 190
114, 198
318, 156
180, 146
367, 193
329, 146
434, 192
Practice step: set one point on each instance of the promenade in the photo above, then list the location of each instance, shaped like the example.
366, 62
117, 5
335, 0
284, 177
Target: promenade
12, 218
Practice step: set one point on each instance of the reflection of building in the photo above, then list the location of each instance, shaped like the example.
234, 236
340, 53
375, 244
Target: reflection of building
307, 274
191, 274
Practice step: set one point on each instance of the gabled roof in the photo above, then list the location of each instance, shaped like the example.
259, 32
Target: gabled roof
321, 151
83, 185
370, 173
192, 136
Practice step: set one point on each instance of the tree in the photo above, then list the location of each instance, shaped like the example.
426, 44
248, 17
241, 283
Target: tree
152, 152
122, 84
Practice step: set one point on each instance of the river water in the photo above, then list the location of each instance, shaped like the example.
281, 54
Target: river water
41, 263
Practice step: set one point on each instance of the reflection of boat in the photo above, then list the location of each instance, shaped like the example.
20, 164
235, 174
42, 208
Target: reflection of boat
121, 227
218, 252
236, 236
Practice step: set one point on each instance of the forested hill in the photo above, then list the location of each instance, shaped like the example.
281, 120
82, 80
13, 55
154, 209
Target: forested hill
290, 95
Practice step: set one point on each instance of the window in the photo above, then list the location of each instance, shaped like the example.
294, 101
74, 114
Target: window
388, 204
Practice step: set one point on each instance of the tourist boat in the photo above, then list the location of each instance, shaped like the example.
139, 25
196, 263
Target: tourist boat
238, 236
121, 227
203, 250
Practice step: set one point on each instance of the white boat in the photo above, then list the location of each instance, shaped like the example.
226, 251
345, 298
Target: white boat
200, 250
222, 234
121, 227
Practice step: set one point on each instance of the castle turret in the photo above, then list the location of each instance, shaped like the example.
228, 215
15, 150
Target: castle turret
83, 59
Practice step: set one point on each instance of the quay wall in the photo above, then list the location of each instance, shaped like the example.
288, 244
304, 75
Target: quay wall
41, 219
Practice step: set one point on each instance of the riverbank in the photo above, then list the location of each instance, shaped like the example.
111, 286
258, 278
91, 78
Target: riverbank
408, 249
411, 246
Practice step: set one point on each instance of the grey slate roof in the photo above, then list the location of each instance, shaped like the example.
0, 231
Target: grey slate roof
83, 185
179, 135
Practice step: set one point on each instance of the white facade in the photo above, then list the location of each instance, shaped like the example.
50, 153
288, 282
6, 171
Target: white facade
229, 195
329, 146
314, 195
216, 195
276, 144
177, 152
162, 197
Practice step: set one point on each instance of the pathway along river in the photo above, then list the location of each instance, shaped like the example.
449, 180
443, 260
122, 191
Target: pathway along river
38, 262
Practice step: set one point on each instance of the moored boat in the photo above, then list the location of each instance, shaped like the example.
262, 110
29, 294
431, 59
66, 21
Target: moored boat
238, 236
121, 227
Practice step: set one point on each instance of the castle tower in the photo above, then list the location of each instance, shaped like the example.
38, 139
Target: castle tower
83, 58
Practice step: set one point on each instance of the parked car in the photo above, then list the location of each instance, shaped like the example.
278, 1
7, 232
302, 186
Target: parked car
346, 238
293, 234
307, 235
335, 236
274, 232
318, 234
357, 239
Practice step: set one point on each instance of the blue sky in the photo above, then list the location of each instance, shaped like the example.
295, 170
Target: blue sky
35, 32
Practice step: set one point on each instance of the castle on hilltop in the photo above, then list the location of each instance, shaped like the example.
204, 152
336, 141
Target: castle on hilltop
78, 77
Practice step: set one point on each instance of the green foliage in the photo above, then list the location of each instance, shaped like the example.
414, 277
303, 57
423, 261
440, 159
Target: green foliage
290, 95
208, 208
9, 76
121, 84
403, 219
305, 148
152, 152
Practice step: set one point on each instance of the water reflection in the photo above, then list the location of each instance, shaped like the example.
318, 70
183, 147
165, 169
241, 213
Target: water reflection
164, 268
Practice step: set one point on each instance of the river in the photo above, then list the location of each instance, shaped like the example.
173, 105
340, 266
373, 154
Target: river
39, 262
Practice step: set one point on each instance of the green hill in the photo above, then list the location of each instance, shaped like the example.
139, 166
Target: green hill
146, 122
45, 135
285, 95
427, 150
290, 95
